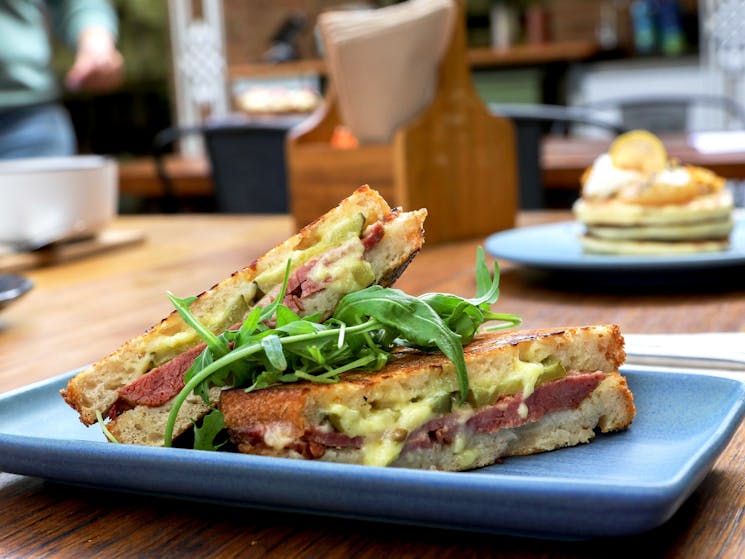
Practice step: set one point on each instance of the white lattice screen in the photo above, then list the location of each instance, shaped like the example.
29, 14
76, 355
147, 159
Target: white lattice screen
723, 45
199, 64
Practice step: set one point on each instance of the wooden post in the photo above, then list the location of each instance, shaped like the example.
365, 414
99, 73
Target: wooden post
458, 160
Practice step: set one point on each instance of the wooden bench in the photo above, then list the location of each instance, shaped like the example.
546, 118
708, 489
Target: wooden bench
191, 177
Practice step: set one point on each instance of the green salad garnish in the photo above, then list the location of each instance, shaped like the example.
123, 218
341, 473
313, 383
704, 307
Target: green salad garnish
274, 345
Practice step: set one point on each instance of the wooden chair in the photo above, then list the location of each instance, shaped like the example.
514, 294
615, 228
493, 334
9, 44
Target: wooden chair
456, 159
673, 112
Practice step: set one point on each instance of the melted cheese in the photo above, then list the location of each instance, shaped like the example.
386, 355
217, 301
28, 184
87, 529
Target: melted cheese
333, 236
216, 316
524, 374
381, 428
351, 272
464, 455
279, 435
385, 430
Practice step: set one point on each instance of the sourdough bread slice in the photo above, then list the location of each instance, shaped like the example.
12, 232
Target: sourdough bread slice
608, 408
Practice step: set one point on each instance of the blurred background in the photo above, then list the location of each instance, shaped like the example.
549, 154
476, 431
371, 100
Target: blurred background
189, 62
597, 50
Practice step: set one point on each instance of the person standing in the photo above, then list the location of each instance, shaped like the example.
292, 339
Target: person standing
33, 123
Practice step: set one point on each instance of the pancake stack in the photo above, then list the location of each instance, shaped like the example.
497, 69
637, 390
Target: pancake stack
635, 201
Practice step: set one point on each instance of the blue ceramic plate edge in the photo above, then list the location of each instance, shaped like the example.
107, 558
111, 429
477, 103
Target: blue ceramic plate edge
598, 262
662, 500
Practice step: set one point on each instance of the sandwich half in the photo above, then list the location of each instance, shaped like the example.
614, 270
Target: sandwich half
359, 243
529, 391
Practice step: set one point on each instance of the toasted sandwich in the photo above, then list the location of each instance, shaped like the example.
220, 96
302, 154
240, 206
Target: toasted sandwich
359, 243
529, 391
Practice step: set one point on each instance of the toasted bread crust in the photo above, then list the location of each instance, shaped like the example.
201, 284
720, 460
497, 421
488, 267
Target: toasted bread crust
412, 375
95, 389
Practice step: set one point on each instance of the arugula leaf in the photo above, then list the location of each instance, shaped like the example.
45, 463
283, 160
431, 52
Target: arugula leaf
412, 318
274, 345
105, 430
487, 285
205, 435
202, 361
461, 316
273, 350
264, 380
217, 346
286, 316
271, 308
249, 326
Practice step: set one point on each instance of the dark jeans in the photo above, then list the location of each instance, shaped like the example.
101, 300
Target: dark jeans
36, 131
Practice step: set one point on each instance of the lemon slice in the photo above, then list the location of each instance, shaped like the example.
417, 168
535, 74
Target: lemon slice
640, 150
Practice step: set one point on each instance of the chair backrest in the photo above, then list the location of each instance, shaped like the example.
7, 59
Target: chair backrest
248, 166
532, 123
247, 160
675, 113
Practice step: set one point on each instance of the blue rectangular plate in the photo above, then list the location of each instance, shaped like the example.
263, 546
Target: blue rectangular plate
622, 483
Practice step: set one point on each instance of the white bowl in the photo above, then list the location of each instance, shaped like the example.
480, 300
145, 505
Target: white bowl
48, 199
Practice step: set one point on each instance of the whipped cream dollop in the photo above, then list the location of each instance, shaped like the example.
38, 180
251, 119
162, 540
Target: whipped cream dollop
677, 176
605, 179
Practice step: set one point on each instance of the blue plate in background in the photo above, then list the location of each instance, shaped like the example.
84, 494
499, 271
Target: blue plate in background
556, 247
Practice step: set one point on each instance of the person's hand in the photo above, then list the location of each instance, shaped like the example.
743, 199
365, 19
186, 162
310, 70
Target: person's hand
98, 64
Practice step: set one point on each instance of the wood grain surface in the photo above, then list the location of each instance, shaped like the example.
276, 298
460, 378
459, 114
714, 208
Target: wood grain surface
81, 310
56, 253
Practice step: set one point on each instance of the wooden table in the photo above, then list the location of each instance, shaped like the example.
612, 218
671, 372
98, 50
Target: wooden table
81, 310
563, 160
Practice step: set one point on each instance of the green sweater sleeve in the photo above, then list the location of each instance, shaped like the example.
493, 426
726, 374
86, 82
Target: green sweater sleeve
70, 17
25, 51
